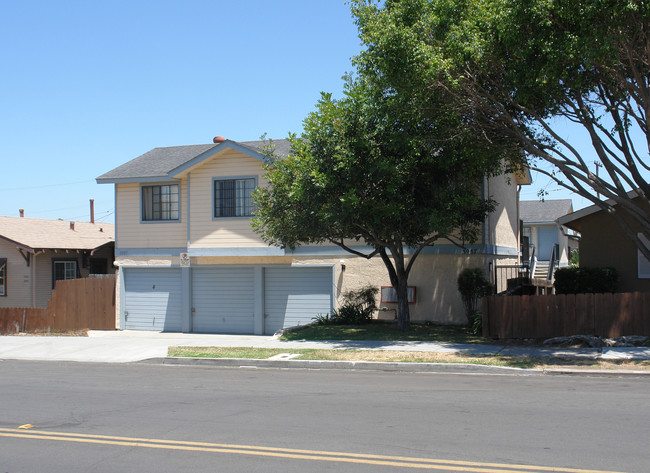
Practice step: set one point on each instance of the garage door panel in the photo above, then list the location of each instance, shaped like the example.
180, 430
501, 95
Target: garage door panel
295, 296
153, 299
223, 300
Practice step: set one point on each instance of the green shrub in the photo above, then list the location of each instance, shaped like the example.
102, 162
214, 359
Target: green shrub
477, 325
357, 308
575, 280
473, 285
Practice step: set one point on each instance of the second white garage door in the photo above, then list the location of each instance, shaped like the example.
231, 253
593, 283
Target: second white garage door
294, 296
152, 299
222, 300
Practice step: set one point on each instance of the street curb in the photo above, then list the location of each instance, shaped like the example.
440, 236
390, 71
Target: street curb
599, 373
455, 368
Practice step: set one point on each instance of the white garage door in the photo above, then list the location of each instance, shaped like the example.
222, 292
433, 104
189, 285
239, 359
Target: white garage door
294, 296
152, 299
223, 300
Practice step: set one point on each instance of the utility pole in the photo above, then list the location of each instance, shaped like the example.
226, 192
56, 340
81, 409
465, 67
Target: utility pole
597, 163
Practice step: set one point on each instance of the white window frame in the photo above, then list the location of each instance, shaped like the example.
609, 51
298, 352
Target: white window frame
70, 270
243, 205
169, 202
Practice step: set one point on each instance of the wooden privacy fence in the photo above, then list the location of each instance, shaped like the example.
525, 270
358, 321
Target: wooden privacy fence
76, 304
605, 315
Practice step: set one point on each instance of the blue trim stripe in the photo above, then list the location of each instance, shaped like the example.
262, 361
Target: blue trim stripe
312, 251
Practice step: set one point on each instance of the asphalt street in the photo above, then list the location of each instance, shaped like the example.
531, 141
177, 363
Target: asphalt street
106, 417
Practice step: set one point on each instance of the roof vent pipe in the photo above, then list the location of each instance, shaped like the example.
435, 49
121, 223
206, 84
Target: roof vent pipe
72, 226
22, 212
92, 210
218, 139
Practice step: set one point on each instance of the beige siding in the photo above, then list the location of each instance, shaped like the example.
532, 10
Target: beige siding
31, 286
207, 232
18, 278
132, 233
43, 278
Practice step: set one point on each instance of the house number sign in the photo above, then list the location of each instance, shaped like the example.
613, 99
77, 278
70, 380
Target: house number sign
185, 260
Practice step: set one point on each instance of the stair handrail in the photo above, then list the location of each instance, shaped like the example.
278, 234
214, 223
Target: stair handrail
551, 264
533, 262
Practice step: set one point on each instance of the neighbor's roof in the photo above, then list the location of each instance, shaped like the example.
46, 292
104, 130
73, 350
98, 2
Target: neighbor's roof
573, 220
164, 163
34, 234
547, 211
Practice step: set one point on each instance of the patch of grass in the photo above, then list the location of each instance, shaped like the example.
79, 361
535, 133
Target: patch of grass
405, 357
380, 330
333, 355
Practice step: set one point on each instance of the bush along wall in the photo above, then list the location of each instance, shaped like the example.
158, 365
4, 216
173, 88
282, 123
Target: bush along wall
585, 280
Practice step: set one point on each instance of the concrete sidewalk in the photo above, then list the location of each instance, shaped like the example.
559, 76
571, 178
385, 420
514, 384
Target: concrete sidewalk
132, 346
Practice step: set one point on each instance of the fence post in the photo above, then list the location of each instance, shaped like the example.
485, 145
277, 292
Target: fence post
485, 312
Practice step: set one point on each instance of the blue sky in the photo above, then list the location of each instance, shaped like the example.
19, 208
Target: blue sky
87, 86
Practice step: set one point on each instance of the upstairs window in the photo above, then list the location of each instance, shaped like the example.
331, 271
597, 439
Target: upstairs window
3, 276
160, 202
234, 197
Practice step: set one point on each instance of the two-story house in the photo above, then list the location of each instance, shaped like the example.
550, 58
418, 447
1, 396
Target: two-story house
189, 260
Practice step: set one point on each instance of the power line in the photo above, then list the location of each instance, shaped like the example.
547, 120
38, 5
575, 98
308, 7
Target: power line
46, 186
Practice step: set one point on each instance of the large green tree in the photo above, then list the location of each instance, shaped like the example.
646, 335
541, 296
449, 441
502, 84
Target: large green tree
373, 170
523, 70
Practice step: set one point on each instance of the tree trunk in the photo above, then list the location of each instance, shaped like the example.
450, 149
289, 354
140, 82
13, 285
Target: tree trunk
403, 314
398, 273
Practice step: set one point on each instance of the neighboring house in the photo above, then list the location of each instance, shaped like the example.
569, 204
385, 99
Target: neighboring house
543, 233
189, 260
604, 244
35, 253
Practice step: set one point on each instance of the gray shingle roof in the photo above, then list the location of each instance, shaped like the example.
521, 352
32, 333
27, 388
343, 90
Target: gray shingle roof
159, 162
535, 211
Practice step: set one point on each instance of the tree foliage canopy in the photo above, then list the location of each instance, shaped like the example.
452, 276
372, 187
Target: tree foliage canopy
520, 70
372, 169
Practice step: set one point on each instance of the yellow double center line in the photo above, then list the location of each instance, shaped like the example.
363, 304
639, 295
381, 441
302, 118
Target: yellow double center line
314, 455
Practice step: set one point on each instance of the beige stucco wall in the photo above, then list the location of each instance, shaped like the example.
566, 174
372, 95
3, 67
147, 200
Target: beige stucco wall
434, 277
503, 223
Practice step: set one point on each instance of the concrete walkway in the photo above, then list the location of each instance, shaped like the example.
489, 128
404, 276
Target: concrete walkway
131, 346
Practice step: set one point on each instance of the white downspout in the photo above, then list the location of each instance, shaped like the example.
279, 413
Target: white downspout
518, 227
187, 213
